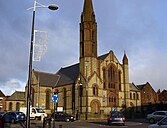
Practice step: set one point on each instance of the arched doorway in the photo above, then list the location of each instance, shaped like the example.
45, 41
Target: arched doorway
95, 106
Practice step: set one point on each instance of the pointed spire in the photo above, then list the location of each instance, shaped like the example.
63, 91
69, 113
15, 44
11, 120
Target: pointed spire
125, 59
88, 6
88, 12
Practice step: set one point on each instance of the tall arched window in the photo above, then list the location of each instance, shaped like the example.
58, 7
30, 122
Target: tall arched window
119, 80
104, 78
131, 96
17, 106
111, 77
10, 106
64, 98
47, 99
95, 90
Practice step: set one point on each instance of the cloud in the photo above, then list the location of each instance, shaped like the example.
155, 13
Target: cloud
12, 85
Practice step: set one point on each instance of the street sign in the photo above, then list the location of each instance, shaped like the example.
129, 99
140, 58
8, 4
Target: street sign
55, 98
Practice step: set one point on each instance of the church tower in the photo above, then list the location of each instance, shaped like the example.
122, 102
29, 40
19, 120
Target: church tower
88, 40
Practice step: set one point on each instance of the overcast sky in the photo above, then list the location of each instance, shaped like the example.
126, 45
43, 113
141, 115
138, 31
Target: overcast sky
135, 26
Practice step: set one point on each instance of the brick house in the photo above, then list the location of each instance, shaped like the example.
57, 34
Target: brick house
2, 101
15, 101
148, 95
162, 96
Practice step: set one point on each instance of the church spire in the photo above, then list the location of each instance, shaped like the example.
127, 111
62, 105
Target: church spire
88, 7
88, 13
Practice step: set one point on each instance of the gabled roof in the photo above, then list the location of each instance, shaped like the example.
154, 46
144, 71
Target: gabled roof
68, 75
1, 94
46, 79
133, 87
17, 96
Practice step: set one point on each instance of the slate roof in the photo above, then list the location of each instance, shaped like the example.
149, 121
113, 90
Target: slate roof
46, 79
102, 57
133, 87
1, 94
17, 96
141, 86
68, 75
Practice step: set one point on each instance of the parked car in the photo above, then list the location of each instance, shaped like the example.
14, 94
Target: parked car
18, 117
156, 116
161, 124
2, 113
116, 118
7, 118
62, 116
1, 122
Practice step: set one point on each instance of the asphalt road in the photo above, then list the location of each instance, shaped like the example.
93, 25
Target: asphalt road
83, 124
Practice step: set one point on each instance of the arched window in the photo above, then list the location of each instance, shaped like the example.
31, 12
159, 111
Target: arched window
95, 90
47, 99
111, 77
10, 106
17, 106
104, 78
32, 96
119, 80
64, 98
131, 96
134, 96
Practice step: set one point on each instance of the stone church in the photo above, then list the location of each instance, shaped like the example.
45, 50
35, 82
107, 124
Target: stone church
95, 85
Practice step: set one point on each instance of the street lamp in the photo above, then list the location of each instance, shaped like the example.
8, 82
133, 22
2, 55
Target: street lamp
52, 7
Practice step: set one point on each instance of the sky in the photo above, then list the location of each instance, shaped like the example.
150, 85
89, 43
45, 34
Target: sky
135, 26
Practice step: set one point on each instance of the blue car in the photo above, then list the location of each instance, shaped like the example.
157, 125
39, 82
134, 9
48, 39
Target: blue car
13, 117
116, 118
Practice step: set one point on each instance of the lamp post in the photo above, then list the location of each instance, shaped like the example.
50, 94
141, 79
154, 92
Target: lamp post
52, 7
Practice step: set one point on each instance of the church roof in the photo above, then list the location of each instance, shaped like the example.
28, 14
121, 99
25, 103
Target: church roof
102, 57
17, 96
68, 75
46, 79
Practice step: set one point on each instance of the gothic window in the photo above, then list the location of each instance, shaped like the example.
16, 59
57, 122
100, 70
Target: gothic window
104, 78
47, 99
111, 77
10, 106
17, 106
119, 80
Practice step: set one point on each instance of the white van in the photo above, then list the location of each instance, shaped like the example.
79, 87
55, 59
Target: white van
35, 113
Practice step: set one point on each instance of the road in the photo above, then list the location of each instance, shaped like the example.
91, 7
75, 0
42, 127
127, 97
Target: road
83, 124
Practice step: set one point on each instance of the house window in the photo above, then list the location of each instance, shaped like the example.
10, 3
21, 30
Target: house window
131, 96
47, 99
134, 96
10, 106
17, 106
137, 96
